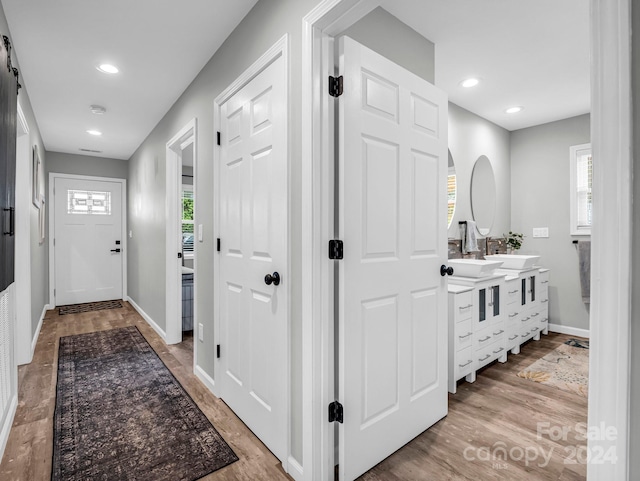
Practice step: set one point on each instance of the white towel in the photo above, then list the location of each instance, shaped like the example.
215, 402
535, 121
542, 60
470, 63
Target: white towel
471, 241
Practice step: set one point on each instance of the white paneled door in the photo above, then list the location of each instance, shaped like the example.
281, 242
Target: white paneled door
393, 220
252, 280
87, 240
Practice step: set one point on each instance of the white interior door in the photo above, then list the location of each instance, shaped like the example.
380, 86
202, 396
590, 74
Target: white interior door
87, 240
252, 369
393, 221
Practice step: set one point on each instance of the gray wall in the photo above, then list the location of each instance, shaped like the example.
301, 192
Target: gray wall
267, 22
540, 198
471, 136
39, 265
385, 34
634, 446
62, 163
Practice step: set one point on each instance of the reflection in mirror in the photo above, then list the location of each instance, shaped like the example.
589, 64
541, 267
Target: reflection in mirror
483, 195
451, 191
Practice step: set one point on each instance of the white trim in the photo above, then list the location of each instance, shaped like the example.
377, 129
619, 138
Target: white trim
173, 231
279, 49
205, 378
571, 331
574, 151
294, 469
611, 252
8, 422
147, 318
34, 340
327, 19
52, 266
23, 314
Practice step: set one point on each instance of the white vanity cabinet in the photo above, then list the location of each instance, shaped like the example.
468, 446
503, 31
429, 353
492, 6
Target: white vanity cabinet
477, 336
460, 333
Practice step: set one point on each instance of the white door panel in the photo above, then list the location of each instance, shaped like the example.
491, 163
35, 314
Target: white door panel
88, 222
253, 229
392, 198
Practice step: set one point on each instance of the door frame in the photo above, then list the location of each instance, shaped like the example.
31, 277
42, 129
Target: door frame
609, 396
52, 261
186, 136
24, 346
279, 49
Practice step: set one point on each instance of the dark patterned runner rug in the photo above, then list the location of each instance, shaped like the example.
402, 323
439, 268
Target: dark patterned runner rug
121, 415
89, 306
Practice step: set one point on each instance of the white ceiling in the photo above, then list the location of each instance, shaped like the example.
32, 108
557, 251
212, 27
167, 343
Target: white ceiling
532, 53
158, 45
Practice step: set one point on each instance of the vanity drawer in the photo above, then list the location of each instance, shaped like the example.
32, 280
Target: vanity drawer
463, 334
513, 292
513, 317
464, 363
483, 338
513, 338
488, 354
463, 306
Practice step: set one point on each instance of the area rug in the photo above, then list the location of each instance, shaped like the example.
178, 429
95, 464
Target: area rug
121, 415
566, 368
89, 306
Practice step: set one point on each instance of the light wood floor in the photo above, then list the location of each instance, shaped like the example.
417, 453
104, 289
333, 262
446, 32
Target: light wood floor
498, 407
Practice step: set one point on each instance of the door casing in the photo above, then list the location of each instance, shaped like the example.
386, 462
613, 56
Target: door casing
52, 178
611, 124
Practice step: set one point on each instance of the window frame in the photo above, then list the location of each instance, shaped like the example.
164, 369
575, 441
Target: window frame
187, 188
575, 151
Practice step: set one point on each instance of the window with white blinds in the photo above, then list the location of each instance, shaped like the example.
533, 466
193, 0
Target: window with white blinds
581, 162
188, 236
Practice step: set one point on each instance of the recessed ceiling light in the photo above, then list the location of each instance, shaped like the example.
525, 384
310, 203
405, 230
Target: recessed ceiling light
108, 68
94, 132
514, 110
470, 82
97, 109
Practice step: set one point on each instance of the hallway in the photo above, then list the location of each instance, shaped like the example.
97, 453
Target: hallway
29, 451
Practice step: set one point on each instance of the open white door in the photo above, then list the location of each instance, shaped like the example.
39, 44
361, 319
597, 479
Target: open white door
252, 281
88, 243
393, 221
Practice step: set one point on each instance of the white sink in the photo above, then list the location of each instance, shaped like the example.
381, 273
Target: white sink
473, 267
514, 261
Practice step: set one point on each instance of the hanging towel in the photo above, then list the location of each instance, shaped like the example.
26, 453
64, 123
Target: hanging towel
471, 240
584, 260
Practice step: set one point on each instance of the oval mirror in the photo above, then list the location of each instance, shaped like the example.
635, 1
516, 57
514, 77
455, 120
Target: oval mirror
451, 190
483, 195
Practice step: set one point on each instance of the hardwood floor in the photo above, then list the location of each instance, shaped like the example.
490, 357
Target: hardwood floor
498, 408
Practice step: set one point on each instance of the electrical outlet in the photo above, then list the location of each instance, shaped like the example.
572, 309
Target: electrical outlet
200, 233
541, 232
200, 332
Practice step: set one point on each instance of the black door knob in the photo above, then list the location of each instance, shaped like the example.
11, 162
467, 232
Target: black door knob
272, 279
444, 270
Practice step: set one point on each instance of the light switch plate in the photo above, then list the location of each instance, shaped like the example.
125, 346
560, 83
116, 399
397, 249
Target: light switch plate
541, 232
130, 234
200, 233
200, 332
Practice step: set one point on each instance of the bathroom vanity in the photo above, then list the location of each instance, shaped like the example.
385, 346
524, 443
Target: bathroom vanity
494, 314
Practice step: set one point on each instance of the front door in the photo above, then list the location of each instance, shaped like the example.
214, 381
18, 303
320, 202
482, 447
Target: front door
252, 281
87, 240
392, 218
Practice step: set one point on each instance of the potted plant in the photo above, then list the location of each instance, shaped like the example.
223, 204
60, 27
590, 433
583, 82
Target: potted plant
514, 241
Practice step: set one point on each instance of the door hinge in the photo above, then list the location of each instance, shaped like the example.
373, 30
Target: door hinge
336, 248
335, 412
336, 86
54, 242
218, 137
218, 351
218, 244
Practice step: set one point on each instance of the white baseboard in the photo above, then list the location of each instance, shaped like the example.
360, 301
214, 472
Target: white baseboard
294, 469
571, 331
205, 378
34, 341
8, 422
147, 318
